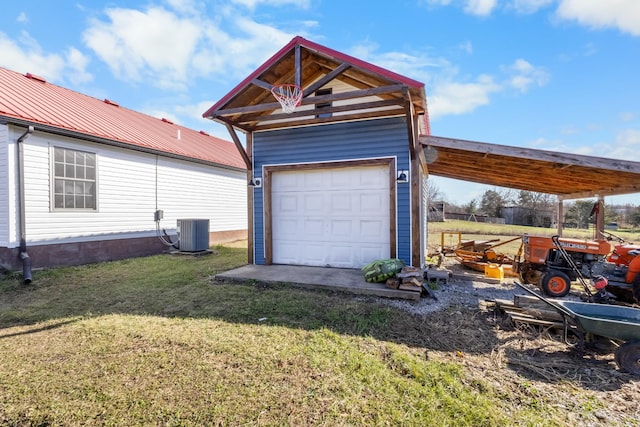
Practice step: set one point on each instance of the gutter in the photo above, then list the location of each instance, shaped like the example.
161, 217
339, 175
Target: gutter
113, 143
24, 255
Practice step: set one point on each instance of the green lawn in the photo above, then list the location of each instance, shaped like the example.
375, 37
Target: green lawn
157, 341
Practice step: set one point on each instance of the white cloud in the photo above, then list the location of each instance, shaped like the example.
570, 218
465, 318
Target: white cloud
419, 65
480, 7
22, 17
77, 63
524, 75
252, 4
26, 56
446, 93
626, 146
621, 14
439, 2
135, 41
472, 7
628, 116
529, 6
466, 47
169, 48
224, 55
459, 98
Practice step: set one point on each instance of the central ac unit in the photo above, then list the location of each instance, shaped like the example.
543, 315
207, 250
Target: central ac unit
193, 235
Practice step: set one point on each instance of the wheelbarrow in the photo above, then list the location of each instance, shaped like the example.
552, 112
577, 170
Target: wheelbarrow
618, 323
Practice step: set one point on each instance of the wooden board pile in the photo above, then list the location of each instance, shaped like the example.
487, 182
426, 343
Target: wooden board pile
530, 310
408, 279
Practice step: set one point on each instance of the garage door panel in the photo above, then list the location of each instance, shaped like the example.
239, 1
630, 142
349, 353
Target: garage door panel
287, 204
286, 228
372, 253
341, 228
288, 253
312, 229
373, 229
340, 202
340, 256
371, 200
313, 203
340, 217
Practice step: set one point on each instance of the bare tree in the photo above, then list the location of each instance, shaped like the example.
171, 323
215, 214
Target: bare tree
433, 192
537, 205
493, 201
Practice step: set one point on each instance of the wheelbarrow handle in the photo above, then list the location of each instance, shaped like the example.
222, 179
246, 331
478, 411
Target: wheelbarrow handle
570, 314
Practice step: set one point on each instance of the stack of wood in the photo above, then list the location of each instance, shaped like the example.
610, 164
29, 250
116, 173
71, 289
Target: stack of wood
409, 279
530, 310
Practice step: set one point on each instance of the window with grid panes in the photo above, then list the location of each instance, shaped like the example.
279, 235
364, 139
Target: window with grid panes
74, 179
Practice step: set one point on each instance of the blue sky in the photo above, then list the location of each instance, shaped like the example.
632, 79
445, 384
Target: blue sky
547, 74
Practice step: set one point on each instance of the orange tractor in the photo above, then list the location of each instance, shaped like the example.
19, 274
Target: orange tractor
553, 263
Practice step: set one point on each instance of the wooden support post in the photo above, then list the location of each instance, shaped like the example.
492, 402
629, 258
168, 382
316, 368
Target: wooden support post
250, 190
560, 213
600, 218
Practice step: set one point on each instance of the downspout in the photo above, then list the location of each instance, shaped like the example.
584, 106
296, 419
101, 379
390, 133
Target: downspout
24, 255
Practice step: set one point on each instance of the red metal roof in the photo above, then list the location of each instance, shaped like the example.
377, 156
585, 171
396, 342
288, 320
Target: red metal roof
29, 98
319, 48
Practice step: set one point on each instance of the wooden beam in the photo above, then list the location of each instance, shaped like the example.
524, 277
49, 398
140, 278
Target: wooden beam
308, 101
262, 84
236, 141
298, 64
227, 121
533, 154
627, 189
325, 110
326, 79
332, 119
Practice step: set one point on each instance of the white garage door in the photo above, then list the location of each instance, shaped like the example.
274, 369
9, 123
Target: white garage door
331, 217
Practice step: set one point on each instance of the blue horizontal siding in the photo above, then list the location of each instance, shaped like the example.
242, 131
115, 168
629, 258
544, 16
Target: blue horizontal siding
335, 142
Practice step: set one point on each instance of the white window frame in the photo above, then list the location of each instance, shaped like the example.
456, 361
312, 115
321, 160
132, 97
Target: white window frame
78, 164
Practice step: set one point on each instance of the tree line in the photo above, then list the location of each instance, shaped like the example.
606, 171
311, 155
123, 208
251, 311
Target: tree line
577, 213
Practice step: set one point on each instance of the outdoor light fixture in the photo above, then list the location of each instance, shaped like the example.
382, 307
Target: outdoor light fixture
402, 176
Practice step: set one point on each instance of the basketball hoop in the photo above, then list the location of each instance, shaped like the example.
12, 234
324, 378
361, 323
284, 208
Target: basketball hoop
288, 95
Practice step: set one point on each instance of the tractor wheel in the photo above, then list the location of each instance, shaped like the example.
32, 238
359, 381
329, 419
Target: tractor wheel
628, 357
555, 284
530, 276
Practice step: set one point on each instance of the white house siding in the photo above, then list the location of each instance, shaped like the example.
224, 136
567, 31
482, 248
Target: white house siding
131, 186
4, 185
191, 191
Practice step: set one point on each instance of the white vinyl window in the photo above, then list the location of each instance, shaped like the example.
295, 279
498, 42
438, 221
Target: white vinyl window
74, 179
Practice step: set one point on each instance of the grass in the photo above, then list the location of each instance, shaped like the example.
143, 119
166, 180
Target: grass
159, 341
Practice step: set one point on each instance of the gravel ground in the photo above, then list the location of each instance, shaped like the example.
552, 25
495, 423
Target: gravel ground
459, 292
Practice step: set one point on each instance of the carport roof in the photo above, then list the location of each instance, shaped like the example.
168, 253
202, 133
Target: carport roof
569, 176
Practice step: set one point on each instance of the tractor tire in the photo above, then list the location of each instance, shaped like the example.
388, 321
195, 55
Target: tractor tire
628, 357
530, 276
555, 284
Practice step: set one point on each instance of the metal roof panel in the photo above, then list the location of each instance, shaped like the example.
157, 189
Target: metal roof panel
33, 100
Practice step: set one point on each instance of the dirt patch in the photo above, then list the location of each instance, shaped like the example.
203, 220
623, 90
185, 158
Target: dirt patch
530, 364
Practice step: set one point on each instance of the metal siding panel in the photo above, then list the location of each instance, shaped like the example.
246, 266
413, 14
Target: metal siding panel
49, 104
336, 142
198, 191
5, 183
